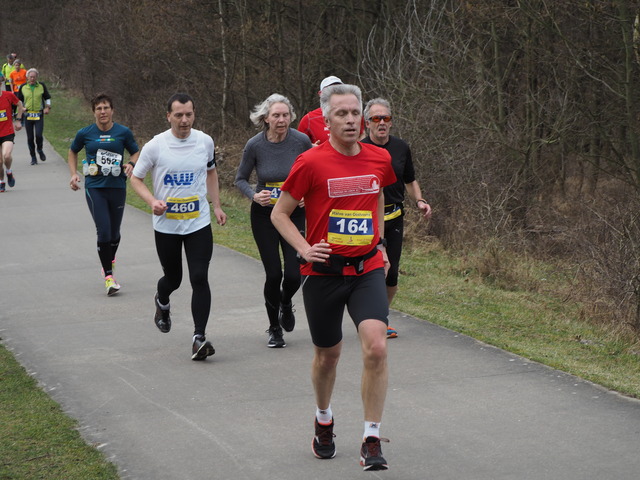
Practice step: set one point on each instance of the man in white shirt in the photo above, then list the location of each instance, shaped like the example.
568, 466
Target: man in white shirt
182, 164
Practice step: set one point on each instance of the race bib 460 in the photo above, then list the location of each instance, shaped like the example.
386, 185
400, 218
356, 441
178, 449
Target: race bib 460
183, 208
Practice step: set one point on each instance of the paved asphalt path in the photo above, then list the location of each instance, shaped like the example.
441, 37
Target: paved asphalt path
456, 408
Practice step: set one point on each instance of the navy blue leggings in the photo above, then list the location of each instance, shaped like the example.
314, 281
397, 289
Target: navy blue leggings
107, 209
198, 248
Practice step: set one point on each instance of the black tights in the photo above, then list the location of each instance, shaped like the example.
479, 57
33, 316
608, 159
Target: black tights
198, 248
279, 286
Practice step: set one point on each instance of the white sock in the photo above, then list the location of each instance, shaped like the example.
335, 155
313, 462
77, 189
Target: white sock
163, 307
371, 429
325, 417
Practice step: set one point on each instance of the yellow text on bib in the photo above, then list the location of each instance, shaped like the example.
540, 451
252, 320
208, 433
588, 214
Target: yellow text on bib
350, 227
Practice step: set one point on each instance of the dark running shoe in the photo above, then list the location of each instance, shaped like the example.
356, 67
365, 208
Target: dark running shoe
201, 348
286, 318
34, 161
1, 186
276, 340
323, 445
371, 454
43, 157
162, 317
11, 180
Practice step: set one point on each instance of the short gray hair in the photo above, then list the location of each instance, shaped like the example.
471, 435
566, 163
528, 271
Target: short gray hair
32, 70
261, 110
376, 101
339, 89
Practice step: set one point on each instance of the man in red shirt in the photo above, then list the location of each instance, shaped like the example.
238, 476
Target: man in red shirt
8, 127
344, 260
312, 124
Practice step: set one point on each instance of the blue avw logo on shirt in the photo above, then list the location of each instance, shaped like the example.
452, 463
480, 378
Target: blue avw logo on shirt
178, 179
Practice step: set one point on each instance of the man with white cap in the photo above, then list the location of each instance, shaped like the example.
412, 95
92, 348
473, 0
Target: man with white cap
312, 124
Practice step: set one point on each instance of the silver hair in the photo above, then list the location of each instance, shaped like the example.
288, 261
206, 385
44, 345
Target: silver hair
376, 101
339, 89
32, 70
261, 110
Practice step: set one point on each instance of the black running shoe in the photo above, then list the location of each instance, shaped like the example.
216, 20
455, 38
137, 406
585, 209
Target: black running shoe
371, 454
43, 157
323, 445
201, 348
276, 340
162, 317
11, 180
286, 318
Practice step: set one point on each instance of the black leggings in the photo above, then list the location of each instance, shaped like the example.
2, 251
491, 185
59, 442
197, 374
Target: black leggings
34, 130
107, 209
393, 232
198, 248
279, 287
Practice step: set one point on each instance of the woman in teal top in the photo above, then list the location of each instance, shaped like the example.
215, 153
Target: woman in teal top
105, 179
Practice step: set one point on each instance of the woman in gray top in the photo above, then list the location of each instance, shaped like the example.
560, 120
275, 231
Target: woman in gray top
271, 154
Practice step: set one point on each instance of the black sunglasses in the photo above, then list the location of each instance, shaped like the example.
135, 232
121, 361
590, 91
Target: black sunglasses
379, 118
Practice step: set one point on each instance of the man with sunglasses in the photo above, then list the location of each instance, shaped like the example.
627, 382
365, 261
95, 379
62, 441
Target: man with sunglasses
378, 121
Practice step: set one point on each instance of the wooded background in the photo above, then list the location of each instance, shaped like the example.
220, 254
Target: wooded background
522, 115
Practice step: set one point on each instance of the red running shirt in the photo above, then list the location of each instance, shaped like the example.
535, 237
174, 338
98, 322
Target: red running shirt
7, 101
341, 198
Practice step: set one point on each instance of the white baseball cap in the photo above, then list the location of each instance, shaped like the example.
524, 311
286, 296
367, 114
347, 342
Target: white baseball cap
332, 80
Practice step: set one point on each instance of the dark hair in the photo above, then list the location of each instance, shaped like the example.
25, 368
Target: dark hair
182, 98
99, 98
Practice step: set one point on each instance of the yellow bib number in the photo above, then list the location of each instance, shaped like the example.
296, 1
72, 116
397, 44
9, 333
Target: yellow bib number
3, 116
183, 208
33, 115
274, 188
350, 227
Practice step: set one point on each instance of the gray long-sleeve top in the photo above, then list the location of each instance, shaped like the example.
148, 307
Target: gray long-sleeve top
271, 161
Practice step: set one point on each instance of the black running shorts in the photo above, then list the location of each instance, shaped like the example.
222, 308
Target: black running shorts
325, 297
